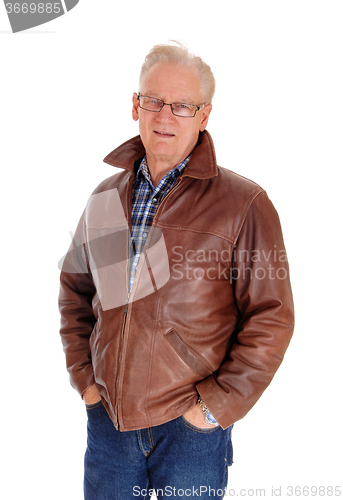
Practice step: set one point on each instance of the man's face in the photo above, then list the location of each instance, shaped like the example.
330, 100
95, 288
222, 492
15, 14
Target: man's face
169, 139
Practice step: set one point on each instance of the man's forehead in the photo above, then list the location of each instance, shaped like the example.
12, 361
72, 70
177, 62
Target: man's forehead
171, 81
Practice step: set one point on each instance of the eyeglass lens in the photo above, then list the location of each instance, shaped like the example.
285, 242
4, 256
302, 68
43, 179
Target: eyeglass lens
178, 109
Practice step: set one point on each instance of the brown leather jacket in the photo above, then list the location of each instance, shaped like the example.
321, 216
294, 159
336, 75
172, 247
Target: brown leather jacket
211, 308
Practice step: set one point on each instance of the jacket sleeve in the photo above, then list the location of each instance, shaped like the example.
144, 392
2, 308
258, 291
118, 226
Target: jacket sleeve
77, 319
264, 299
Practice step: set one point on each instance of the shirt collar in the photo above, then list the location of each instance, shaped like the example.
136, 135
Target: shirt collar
172, 174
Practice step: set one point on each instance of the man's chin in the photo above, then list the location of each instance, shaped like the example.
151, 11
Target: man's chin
163, 151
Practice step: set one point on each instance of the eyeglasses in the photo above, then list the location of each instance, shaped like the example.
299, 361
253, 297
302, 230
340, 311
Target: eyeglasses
177, 108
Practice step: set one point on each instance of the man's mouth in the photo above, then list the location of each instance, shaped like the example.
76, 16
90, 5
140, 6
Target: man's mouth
164, 134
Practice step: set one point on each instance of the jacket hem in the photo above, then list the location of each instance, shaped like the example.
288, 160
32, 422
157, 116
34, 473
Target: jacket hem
178, 412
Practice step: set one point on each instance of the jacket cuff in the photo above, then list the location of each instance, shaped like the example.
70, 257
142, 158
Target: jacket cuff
212, 395
83, 381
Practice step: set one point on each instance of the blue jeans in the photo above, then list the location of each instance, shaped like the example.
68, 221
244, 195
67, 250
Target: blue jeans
176, 459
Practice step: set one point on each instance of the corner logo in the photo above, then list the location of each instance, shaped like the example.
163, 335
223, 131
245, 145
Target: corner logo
25, 15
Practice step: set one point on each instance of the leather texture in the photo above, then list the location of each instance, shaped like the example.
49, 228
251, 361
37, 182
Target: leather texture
219, 325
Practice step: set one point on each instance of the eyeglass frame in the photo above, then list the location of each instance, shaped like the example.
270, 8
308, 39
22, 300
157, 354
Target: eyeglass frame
201, 106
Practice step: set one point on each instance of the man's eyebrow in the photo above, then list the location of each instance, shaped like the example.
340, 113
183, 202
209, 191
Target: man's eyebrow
182, 100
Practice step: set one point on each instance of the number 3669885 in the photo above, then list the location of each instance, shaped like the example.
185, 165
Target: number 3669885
33, 8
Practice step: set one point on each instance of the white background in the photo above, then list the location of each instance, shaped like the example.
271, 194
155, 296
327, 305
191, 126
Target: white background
66, 90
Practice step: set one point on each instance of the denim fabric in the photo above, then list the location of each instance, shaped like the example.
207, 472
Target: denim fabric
176, 459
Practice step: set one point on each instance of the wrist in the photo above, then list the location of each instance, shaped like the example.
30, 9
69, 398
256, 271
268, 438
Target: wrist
91, 395
209, 418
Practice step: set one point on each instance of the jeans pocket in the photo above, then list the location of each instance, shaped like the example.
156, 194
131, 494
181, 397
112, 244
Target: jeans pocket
92, 406
206, 430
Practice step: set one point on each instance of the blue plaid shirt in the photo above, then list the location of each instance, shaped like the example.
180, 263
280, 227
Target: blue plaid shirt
145, 201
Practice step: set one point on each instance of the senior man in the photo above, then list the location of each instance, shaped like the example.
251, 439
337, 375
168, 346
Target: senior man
175, 298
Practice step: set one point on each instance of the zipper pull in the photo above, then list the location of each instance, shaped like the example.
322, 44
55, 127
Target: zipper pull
126, 303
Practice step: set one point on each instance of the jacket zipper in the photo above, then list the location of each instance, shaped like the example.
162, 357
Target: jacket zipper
154, 219
125, 308
120, 354
178, 182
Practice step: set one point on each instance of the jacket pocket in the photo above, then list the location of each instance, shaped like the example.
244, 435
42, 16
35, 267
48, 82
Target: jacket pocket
189, 355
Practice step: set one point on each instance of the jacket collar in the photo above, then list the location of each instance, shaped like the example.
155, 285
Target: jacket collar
202, 165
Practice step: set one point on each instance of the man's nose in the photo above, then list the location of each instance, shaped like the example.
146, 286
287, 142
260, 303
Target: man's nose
166, 112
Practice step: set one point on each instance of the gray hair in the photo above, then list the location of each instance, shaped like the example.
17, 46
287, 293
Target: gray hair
179, 54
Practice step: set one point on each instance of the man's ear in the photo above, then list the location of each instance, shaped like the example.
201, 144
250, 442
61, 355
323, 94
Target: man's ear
135, 107
205, 116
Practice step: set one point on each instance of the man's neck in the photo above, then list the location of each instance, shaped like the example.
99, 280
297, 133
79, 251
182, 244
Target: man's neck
158, 169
